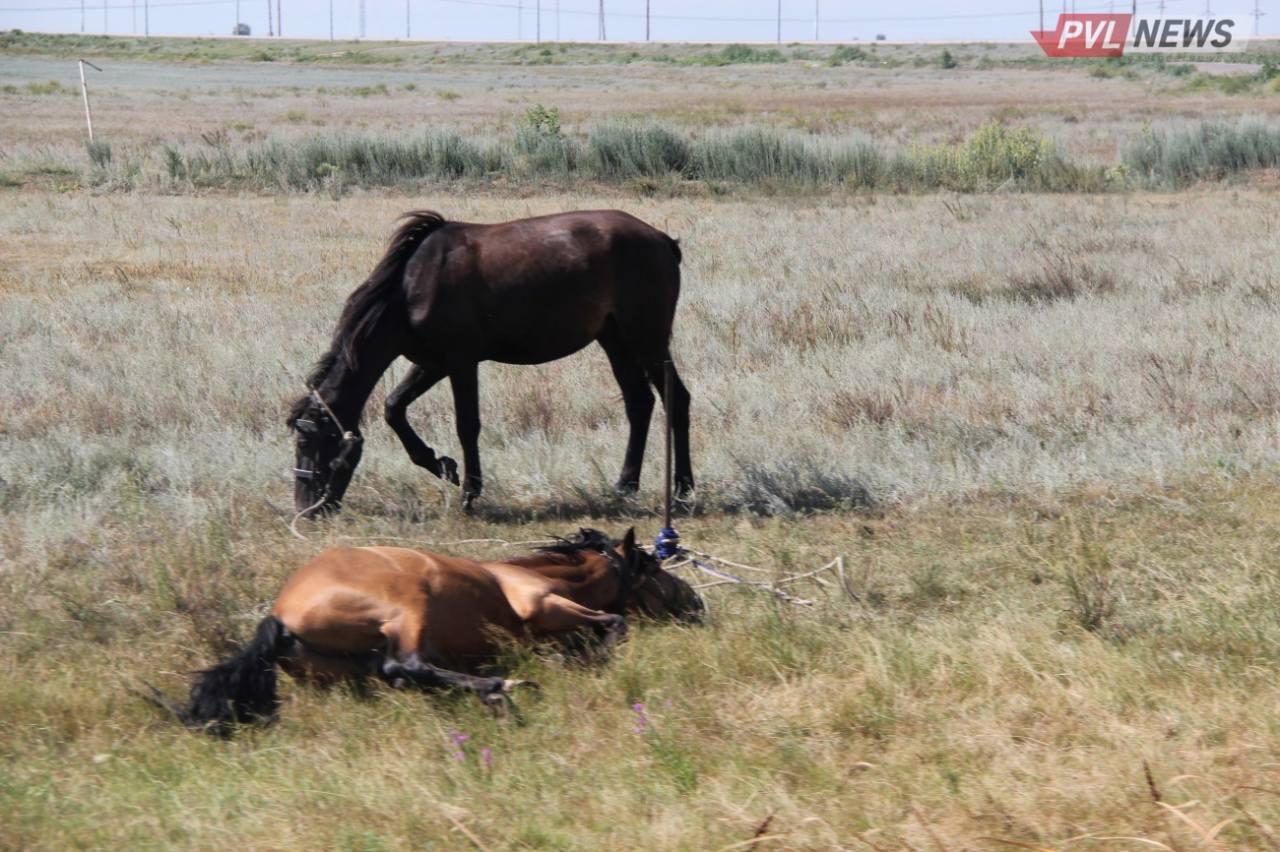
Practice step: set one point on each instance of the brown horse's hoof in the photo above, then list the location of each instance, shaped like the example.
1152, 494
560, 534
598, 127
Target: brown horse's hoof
509, 685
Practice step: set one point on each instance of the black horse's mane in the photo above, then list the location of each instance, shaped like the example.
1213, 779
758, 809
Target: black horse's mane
368, 302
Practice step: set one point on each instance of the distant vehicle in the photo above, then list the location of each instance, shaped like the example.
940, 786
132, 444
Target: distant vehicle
880, 36
241, 30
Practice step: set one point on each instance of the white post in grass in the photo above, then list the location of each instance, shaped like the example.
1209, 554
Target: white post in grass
84, 90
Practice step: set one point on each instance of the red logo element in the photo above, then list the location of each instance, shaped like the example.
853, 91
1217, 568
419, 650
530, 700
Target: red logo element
1095, 36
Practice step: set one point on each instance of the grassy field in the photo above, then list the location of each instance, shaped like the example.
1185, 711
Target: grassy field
1042, 430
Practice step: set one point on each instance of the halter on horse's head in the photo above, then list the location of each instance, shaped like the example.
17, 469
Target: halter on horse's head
325, 456
644, 587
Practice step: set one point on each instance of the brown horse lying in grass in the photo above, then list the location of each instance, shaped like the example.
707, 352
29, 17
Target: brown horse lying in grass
411, 618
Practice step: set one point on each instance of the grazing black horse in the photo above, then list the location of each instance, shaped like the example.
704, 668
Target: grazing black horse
448, 295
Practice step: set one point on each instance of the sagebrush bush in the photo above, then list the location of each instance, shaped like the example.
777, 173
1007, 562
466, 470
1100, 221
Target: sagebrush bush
1209, 150
995, 156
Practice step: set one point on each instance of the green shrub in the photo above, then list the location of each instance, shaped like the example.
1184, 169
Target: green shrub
99, 153
619, 151
541, 120
1208, 150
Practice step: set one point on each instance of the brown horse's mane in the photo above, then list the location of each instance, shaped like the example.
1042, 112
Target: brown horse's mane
568, 551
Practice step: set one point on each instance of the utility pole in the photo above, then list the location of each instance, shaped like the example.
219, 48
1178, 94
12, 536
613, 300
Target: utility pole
84, 90
779, 22
1257, 17
557, 20
817, 18
133, 14
279, 18
538, 22
105, 7
330, 20
519, 20
146, 18
646, 20
1041, 15
406, 20
81, 15
269, 32
601, 16
361, 18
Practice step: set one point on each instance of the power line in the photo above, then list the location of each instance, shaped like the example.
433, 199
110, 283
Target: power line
507, 4
777, 19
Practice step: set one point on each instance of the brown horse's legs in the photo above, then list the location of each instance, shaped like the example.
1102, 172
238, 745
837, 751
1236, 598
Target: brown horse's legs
561, 616
678, 407
466, 408
638, 400
414, 385
413, 670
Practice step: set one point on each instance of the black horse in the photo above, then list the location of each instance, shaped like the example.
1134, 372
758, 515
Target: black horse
448, 295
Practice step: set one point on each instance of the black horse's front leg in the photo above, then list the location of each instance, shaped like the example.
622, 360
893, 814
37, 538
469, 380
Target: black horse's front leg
414, 385
466, 409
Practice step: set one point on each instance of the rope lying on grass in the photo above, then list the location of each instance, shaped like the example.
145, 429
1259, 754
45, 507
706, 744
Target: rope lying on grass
674, 556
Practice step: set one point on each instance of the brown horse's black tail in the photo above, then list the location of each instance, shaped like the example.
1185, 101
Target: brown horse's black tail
241, 689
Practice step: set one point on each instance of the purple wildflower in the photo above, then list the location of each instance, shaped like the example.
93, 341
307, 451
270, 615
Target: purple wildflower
486, 755
642, 721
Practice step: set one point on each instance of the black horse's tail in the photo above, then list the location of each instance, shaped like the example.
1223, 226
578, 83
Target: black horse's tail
369, 301
241, 689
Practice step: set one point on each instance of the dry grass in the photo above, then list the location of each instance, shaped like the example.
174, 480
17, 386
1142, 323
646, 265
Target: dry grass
1003, 666
963, 688
1040, 342
1042, 431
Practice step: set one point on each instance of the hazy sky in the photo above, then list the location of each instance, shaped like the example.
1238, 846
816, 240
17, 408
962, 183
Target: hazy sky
671, 20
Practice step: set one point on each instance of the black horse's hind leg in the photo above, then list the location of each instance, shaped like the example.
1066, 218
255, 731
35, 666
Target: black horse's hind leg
466, 408
638, 400
678, 407
412, 670
414, 385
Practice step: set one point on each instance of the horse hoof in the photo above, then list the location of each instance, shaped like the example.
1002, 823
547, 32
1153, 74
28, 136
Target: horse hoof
626, 488
509, 685
447, 469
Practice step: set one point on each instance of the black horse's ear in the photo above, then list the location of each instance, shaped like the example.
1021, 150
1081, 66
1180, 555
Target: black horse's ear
629, 542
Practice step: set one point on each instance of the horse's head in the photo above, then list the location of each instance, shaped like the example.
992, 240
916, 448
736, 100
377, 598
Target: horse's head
325, 456
652, 591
